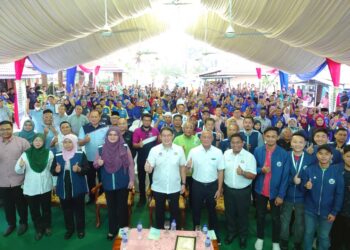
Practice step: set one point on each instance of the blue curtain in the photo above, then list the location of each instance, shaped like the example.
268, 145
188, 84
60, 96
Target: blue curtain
283, 80
309, 75
38, 69
70, 73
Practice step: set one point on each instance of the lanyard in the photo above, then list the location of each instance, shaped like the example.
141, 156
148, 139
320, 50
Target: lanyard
300, 162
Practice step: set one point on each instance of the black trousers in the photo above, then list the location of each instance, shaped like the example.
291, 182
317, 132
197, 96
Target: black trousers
74, 213
204, 192
160, 199
261, 211
117, 205
237, 204
91, 179
340, 233
14, 199
141, 175
40, 210
189, 181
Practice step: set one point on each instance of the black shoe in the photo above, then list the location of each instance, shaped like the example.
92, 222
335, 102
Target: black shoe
81, 235
9, 231
68, 235
141, 202
22, 229
110, 236
48, 232
38, 236
229, 238
243, 243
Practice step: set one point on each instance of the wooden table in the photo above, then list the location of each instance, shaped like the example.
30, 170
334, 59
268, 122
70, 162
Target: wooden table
118, 241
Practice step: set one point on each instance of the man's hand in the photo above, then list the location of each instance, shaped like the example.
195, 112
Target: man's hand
148, 167
331, 218
297, 179
58, 168
278, 201
265, 170
308, 184
239, 170
141, 144
218, 194
76, 168
183, 189
131, 185
189, 163
87, 138
310, 149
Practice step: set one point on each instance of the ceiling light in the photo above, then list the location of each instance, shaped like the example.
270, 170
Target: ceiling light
106, 31
230, 32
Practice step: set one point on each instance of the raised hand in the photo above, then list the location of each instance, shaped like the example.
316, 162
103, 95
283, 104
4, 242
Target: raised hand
148, 167
308, 184
87, 138
100, 162
297, 179
265, 169
21, 163
239, 170
189, 163
310, 149
76, 168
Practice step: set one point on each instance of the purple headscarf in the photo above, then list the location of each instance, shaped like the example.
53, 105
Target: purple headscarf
115, 155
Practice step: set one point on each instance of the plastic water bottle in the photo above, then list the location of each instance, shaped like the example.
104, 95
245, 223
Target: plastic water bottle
173, 226
205, 229
139, 230
207, 243
125, 241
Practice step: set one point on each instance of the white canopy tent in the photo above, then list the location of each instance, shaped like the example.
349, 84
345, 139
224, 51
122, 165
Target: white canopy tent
56, 35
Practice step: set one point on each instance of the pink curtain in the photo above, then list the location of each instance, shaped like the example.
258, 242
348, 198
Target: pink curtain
334, 70
258, 72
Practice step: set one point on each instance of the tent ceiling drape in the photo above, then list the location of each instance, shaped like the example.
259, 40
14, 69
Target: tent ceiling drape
60, 34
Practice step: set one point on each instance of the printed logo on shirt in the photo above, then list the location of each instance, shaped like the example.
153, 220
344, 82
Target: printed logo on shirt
279, 164
305, 167
242, 161
175, 153
315, 177
160, 153
213, 159
331, 181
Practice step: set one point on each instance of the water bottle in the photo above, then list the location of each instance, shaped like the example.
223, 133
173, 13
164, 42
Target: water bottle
207, 243
173, 226
125, 241
205, 229
139, 230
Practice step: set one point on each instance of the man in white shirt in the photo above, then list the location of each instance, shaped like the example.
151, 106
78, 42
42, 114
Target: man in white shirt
208, 174
169, 178
240, 170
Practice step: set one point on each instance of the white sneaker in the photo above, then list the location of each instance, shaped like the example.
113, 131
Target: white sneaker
259, 244
276, 246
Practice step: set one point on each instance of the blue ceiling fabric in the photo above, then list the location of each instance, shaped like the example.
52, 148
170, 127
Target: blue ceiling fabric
309, 75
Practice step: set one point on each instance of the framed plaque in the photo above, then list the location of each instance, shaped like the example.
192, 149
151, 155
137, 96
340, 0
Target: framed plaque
185, 243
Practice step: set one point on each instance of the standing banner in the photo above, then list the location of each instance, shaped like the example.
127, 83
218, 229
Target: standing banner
20, 108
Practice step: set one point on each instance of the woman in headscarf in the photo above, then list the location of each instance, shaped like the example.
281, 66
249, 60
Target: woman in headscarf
293, 125
27, 131
35, 164
70, 166
117, 173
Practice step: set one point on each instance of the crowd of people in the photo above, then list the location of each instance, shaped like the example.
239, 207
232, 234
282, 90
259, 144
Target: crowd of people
253, 148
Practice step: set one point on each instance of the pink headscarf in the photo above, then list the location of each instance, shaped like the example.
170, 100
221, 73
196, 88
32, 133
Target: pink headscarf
67, 155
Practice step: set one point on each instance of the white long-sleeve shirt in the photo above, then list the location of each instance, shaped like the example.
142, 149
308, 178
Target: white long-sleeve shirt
35, 183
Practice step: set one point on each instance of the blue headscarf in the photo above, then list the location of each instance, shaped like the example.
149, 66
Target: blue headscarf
28, 135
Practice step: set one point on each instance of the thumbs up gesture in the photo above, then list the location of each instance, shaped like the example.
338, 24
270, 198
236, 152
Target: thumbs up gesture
87, 138
58, 168
239, 170
76, 168
265, 169
141, 143
21, 163
100, 162
148, 167
297, 179
308, 184
310, 149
